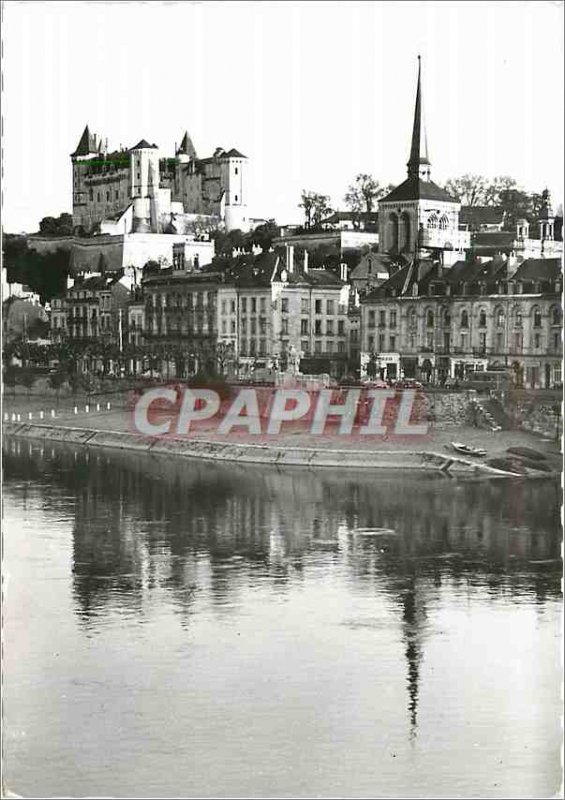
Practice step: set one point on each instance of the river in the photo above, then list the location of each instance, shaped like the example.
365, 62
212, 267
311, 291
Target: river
174, 628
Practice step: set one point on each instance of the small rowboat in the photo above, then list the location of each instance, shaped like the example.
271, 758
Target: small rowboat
468, 450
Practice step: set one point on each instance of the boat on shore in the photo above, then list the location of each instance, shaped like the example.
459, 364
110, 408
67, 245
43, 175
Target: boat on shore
468, 450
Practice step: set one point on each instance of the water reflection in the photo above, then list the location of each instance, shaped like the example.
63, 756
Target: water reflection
143, 523
147, 528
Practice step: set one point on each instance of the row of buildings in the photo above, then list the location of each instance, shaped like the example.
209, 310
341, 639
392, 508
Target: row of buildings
440, 291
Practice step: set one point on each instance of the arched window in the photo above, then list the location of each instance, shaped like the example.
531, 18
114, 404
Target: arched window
443, 223
430, 319
404, 232
412, 318
447, 317
517, 317
432, 221
464, 319
556, 315
499, 316
482, 318
393, 232
537, 317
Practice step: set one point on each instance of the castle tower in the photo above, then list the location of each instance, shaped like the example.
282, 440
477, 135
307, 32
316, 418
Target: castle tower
87, 149
186, 151
233, 182
144, 167
419, 218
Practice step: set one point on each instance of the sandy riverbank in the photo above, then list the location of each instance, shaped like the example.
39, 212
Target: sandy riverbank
297, 447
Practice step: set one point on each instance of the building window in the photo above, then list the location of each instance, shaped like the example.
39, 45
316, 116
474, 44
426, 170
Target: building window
97, 197
517, 318
392, 342
463, 341
223, 306
262, 305
232, 326
317, 347
254, 305
430, 319
537, 318
537, 339
443, 223
556, 316
412, 320
429, 340
284, 327
517, 341
381, 342
393, 319
304, 345
556, 341
330, 307
464, 319
499, 342
235, 199
232, 306
482, 342
371, 322
499, 318
482, 319
432, 221
304, 305
236, 170
262, 347
341, 328
382, 319
341, 347
318, 306
244, 305
318, 327
303, 326
329, 327
371, 343
284, 305
412, 341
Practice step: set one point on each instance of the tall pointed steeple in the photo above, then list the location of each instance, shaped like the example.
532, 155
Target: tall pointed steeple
419, 163
87, 144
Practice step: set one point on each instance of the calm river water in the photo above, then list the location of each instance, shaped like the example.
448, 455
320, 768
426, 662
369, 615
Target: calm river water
182, 629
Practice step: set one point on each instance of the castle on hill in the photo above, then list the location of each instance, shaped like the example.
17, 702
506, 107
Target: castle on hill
136, 190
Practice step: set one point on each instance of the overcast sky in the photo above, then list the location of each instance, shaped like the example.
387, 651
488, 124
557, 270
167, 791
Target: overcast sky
312, 93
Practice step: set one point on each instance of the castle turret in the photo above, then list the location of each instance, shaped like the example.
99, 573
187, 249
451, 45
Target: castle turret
234, 165
186, 151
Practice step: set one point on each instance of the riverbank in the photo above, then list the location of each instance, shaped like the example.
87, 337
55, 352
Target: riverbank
109, 428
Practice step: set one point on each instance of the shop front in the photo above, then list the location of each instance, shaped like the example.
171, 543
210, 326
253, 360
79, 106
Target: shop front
460, 368
389, 366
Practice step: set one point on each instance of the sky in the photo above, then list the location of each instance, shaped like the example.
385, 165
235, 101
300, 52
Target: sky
312, 92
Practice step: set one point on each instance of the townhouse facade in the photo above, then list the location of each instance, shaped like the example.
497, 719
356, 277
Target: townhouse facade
432, 324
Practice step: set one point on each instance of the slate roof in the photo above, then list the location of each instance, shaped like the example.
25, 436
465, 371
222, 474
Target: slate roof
143, 144
475, 216
87, 144
187, 147
371, 217
233, 153
539, 269
414, 188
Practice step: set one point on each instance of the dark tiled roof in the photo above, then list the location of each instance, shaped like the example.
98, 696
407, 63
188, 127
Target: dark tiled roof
233, 153
186, 146
350, 216
475, 216
144, 145
539, 269
380, 262
414, 188
494, 239
87, 144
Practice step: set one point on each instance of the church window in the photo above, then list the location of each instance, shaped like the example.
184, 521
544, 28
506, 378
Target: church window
432, 221
443, 223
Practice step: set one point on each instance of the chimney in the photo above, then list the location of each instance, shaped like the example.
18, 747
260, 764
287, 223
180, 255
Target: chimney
290, 258
306, 262
343, 270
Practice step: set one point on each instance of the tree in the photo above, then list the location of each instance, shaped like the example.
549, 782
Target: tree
10, 378
470, 190
263, 235
28, 380
495, 189
57, 226
316, 207
363, 193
